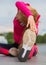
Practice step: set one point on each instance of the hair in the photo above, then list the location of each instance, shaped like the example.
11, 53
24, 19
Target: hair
22, 18
34, 12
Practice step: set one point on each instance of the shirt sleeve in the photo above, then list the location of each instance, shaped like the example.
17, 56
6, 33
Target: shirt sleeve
22, 7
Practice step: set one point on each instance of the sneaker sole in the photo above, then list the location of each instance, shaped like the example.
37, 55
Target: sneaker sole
23, 59
29, 39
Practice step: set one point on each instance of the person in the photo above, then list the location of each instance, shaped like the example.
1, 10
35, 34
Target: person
26, 15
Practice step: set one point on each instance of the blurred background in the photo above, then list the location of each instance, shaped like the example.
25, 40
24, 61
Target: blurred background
8, 11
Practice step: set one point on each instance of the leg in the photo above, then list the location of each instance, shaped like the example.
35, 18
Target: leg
4, 48
29, 39
33, 52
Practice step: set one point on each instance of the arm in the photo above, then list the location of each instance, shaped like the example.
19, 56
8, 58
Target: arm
22, 7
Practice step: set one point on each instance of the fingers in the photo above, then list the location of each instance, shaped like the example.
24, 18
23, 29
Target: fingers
29, 21
27, 24
32, 24
33, 27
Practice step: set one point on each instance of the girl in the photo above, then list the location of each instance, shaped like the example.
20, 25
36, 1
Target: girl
25, 16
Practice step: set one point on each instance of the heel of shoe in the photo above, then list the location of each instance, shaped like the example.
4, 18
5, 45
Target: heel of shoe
21, 57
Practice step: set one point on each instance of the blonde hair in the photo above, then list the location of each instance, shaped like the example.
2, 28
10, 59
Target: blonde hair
34, 12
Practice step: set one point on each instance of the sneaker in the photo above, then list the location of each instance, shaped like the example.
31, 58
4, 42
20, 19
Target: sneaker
29, 39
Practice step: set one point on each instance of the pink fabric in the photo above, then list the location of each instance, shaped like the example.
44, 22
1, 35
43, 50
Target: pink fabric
37, 18
37, 23
31, 53
34, 49
18, 31
4, 51
22, 6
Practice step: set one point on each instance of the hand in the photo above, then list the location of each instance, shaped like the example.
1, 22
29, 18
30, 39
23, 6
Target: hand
31, 22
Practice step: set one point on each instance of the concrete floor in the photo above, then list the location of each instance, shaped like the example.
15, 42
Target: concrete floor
40, 59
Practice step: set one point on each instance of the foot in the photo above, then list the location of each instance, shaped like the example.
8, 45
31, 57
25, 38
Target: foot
14, 51
29, 39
